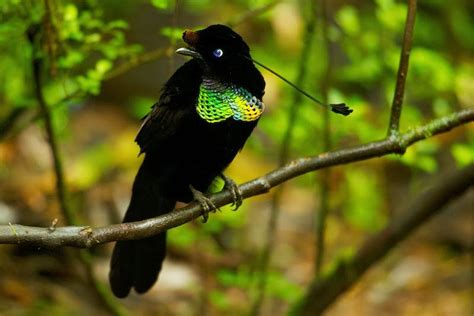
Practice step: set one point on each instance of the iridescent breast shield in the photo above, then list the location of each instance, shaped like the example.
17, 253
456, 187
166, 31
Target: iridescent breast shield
217, 102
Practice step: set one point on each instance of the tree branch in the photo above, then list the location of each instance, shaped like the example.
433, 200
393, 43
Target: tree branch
46, 114
323, 292
394, 125
86, 237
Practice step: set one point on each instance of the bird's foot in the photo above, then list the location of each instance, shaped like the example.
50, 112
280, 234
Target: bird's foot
234, 189
205, 202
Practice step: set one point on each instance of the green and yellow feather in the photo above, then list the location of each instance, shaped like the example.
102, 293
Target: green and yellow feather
218, 102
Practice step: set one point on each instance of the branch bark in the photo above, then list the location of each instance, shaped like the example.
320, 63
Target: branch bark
323, 292
394, 124
86, 237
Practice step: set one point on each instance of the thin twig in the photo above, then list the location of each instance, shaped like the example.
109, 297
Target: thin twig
321, 214
50, 33
69, 216
322, 292
53, 144
138, 60
250, 14
283, 158
397, 103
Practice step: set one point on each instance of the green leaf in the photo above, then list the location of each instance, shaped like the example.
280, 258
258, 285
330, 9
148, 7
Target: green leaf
349, 20
173, 33
162, 4
277, 284
70, 12
118, 24
219, 299
363, 206
431, 68
463, 154
92, 38
71, 59
422, 156
89, 84
182, 236
282, 288
102, 66
391, 14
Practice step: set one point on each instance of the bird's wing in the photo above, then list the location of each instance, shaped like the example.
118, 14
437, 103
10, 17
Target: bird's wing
176, 104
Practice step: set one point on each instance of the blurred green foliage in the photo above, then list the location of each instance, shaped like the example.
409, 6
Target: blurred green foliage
83, 45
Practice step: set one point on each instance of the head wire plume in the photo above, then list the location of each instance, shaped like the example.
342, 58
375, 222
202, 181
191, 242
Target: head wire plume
339, 108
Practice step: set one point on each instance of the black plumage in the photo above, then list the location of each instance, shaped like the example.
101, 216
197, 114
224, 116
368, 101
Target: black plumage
181, 148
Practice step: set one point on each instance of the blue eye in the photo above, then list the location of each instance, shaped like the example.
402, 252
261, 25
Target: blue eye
218, 53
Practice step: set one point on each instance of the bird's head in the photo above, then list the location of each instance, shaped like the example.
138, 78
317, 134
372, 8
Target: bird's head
221, 52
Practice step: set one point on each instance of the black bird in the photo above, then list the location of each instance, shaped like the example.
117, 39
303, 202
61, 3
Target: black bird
205, 113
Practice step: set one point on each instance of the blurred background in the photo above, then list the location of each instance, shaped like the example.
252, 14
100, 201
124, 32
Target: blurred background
105, 63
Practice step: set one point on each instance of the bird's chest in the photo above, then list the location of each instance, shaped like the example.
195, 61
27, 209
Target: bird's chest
218, 141
214, 131
224, 117
203, 152
218, 102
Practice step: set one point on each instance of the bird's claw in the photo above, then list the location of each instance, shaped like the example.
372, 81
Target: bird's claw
234, 190
205, 202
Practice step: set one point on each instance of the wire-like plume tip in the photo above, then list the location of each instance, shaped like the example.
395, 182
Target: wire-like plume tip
341, 108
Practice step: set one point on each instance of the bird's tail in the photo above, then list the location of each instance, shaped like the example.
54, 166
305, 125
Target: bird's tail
137, 263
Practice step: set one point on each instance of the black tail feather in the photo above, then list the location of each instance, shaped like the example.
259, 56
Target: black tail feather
137, 263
